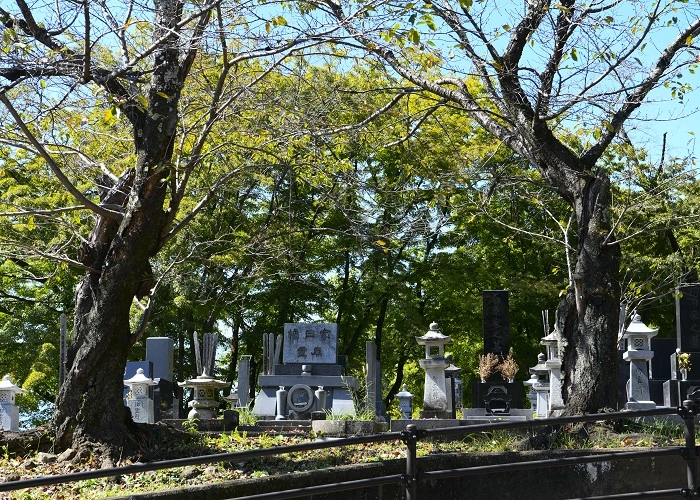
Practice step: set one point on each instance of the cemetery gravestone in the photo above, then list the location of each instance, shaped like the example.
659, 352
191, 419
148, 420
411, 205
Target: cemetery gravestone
309, 363
496, 322
687, 341
496, 333
159, 351
688, 318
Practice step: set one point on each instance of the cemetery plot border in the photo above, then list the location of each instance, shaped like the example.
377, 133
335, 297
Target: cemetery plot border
413, 477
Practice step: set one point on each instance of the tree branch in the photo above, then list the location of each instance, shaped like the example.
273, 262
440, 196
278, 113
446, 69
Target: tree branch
79, 196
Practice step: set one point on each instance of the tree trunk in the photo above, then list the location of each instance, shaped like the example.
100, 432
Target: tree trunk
588, 316
90, 408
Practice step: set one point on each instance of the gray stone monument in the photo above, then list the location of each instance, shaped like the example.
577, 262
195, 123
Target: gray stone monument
638, 354
552, 342
9, 413
160, 352
309, 364
436, 402
373, 377
204, 405
243, 386
676, 389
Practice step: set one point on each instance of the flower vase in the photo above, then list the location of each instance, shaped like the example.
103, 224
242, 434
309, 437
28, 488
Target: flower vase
684, 374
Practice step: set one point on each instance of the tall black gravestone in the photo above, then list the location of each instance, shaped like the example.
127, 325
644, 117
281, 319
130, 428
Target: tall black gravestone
496, 332
688, 341
688, 318
496, 323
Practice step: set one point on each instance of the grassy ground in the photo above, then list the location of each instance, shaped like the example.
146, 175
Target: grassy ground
620, 435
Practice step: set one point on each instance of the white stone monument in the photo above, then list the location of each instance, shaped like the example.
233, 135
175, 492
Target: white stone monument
138, 400
638, 354
541, 386
9, 413
553, 363
435, 395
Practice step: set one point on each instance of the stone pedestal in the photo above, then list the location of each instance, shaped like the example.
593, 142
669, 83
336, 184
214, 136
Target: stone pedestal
435, 394
677, 391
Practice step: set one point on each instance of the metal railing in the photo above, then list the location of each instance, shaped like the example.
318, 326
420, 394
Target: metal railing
412, 476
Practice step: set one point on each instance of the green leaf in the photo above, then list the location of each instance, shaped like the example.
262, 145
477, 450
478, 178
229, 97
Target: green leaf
574, 54
143, 101
414, 36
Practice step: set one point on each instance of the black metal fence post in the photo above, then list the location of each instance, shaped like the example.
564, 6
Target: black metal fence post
410, 438
688, 413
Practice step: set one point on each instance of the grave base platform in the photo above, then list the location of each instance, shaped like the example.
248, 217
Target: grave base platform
474, 416
213, 425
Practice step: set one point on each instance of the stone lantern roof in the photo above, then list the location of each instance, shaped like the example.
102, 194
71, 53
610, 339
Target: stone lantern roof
140, 378
540, 369
404, 393
7, 385
434, 337
637, 327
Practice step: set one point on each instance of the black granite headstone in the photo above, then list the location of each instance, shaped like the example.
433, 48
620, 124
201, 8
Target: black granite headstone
481, 389
496, 325
688, 318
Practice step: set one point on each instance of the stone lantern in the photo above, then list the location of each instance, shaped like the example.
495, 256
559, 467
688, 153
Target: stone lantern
541, 386
138, 399
553, 363
532, 394
638, 354
454, 387
204, 389
435, 402
9, 413
405, 403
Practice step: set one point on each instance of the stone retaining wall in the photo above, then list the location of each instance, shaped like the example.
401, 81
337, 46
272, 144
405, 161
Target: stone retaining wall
554, 483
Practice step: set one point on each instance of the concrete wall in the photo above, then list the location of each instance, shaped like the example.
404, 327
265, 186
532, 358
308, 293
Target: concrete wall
553, 483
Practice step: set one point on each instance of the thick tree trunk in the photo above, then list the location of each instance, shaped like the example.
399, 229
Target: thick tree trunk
90, 408
588, 315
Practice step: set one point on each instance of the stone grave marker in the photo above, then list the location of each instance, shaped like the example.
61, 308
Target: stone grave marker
496, 332
496, 322
310, 343
688, 341
688, 318
309, 366
160, 352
